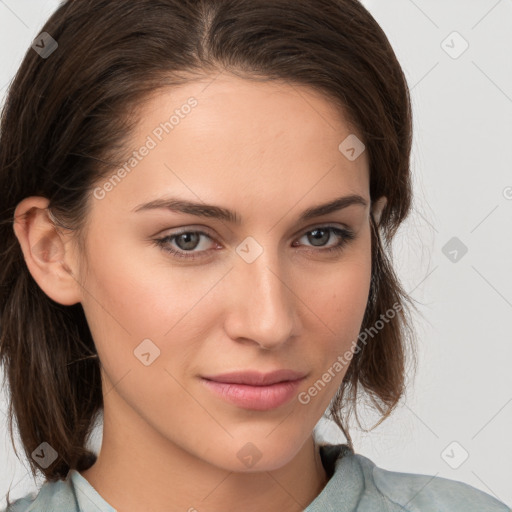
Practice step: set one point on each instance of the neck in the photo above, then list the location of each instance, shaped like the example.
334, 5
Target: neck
157, 474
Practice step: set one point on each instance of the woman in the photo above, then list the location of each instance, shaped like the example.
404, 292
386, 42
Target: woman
195, 196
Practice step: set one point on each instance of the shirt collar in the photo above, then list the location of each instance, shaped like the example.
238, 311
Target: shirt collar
343, 490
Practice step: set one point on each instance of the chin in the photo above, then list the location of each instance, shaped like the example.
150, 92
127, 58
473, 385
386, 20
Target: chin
268, 452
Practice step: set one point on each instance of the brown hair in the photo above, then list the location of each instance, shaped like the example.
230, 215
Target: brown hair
65, 126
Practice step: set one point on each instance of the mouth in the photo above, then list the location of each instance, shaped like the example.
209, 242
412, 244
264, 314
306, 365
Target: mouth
255, 391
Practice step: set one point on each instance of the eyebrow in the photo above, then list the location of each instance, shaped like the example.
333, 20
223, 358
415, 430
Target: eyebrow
217, 212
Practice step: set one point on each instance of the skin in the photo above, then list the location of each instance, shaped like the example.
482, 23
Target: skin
268, 151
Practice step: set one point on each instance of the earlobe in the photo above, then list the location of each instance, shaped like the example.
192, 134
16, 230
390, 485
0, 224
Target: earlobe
48, 259
377, 208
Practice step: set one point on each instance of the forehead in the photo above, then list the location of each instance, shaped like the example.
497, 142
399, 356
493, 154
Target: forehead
269, 141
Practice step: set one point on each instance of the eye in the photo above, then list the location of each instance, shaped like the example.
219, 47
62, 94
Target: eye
319, 235
188, 241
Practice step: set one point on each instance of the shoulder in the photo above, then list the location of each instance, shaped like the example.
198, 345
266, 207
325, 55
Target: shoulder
21, 504
73, 494
56, 496
426, 493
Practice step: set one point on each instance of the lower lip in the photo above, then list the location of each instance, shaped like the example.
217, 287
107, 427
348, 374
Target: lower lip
257, 398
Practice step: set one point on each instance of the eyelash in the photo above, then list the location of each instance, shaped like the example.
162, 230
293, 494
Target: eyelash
346, 236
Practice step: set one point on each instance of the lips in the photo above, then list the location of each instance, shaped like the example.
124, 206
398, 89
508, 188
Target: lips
255, 378
254, 390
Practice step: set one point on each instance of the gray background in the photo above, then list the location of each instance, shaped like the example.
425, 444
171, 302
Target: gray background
461, 400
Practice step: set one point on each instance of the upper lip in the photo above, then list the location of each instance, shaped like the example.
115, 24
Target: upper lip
256, 378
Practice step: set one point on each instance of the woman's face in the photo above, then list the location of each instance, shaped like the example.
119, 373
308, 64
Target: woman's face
260, 294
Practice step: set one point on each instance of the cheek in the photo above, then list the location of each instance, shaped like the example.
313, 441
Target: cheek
350, 294
128, 301
339, 302
341, 294
340, 307
126, 287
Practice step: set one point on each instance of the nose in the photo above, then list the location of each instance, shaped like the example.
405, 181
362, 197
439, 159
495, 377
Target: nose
262, 309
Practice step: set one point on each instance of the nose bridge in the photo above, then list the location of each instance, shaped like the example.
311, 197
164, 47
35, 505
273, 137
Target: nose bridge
263, 296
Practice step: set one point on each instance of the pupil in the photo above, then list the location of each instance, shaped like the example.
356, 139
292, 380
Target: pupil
187, 237
315, 238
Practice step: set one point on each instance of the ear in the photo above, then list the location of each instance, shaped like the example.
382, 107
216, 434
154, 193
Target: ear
377, 207
46, 251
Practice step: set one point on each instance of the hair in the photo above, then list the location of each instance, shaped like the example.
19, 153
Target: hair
66, 124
